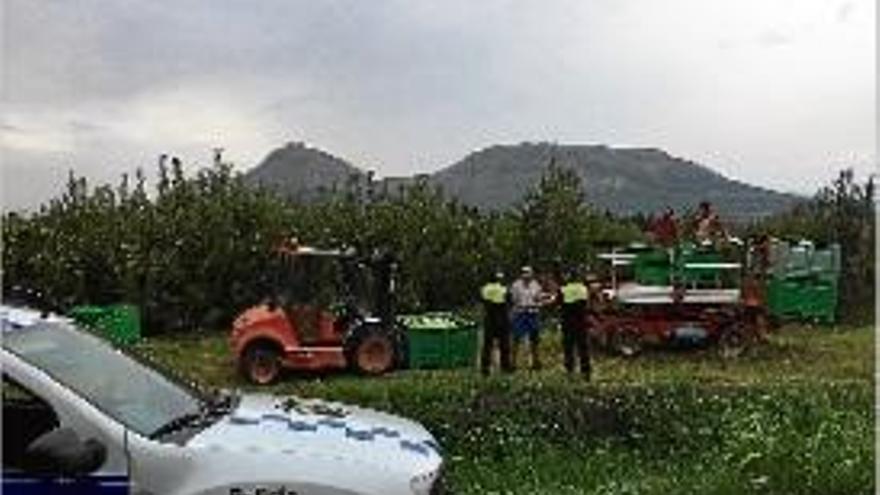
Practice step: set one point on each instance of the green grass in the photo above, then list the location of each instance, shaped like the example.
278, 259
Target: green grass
793, 416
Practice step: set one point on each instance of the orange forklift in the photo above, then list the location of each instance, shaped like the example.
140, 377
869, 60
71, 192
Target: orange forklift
328, 310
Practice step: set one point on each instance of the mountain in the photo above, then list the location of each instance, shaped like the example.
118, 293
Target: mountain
300, 172
622, 180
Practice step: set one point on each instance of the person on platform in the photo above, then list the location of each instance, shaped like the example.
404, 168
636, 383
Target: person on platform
708, 224
664, 230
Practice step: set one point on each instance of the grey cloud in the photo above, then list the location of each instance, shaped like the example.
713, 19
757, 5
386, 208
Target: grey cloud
772, 38
396, 84
6, 127
845, 10
84, 126
121, 48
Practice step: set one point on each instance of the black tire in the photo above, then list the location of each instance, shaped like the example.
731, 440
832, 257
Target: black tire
626, 342
733, 341
260, 363
372, 350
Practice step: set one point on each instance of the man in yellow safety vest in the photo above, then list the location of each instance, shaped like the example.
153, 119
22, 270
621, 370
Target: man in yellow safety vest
573, 298
496, 324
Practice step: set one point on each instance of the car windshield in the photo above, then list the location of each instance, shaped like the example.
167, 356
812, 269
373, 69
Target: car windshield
136, 395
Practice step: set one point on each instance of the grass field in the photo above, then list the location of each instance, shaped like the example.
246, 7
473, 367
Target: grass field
792, 416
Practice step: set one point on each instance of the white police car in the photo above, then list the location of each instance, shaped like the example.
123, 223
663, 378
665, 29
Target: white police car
82, 417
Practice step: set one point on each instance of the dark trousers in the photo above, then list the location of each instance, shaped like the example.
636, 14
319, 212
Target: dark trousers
574, 340
496, 331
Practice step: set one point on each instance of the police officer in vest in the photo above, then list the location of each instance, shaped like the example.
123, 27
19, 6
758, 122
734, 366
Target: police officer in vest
573, 302
496, 323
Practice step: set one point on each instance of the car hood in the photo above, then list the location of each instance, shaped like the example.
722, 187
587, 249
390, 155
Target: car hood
321, 429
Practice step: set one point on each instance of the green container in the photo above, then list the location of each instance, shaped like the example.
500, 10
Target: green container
803, 298
826, 260
653, 268
701, 277
86, 315
440, 340
804, 260
119, 323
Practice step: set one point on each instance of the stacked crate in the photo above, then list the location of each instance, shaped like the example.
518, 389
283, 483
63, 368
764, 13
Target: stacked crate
804, 282
119, 323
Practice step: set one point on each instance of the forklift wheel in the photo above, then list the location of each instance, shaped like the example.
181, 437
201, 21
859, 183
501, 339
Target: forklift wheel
261, 363
372, 352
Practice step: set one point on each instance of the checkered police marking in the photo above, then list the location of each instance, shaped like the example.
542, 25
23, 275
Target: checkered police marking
366, 435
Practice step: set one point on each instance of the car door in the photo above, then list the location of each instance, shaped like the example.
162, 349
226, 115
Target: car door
28, 414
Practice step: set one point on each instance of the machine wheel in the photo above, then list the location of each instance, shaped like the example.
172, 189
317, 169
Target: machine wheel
626, 342
371, 351
732, 342
261, 363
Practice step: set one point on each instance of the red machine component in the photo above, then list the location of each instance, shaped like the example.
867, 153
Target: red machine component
627, 331
636, 314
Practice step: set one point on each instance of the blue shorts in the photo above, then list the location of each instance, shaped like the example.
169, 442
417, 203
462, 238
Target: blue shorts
526, 324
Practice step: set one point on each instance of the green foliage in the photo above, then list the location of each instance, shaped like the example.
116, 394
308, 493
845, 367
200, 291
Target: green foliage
199, 250
190, 256
794, 416
196, 249
558, 230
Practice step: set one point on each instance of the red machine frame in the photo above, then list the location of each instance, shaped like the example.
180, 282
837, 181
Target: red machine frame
731, 318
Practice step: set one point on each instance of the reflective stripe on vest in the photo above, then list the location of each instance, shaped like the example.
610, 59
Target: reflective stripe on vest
494, 293
573, 292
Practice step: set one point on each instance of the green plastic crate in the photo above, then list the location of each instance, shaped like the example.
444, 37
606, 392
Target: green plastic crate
440, 340
87, 315
821, 302
803, 298
701, 277
119, 323
461, 346
653, 268
800, 261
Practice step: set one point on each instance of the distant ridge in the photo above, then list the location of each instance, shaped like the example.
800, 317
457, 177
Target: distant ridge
621, 180
301, 173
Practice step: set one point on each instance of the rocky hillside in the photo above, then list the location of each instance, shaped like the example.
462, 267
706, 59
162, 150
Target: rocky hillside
622, 180
301, 173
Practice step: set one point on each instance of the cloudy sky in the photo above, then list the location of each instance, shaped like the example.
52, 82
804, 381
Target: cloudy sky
773, 92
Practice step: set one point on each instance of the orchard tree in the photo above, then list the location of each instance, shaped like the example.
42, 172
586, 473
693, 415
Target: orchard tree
554, 220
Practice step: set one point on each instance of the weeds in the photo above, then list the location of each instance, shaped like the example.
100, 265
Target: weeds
793, 417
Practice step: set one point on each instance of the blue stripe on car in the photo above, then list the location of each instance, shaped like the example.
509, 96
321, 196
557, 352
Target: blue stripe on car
16, 483
417, 447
